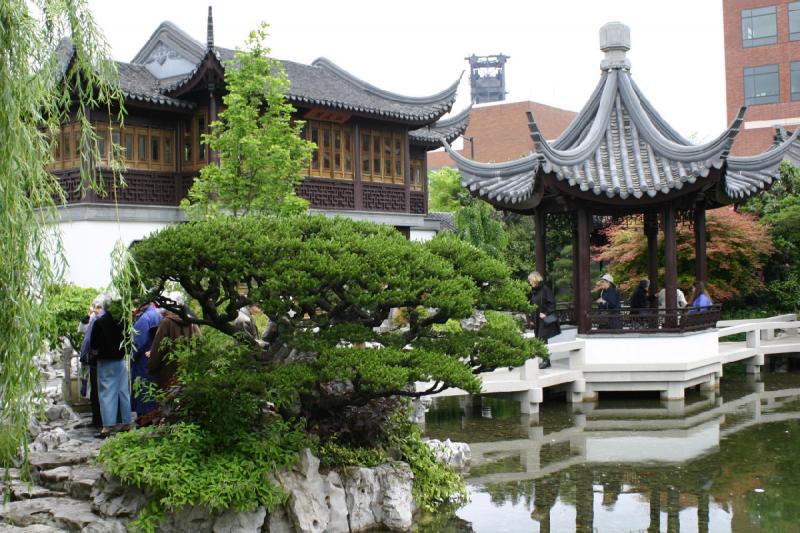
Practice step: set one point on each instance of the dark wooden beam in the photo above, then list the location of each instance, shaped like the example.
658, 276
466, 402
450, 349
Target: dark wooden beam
358, 195
540, 243
651, 231
583, 298
700, 265
670, 258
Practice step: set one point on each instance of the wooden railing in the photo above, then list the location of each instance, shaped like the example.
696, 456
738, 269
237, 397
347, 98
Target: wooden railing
678, 320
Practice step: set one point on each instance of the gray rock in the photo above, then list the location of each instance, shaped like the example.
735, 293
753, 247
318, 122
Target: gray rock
22, 490
82, 480
57, 512
48, 460
55, 478
36, 528
475, 322
230, 522
106, 526
306, 505
397, 503
361, 492
195, 519
278, 522
59, 412
337, 504
455, 455
113, 499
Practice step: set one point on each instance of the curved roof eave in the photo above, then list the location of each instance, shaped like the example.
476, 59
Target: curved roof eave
748, 175
443, 96
447, 129
508, 185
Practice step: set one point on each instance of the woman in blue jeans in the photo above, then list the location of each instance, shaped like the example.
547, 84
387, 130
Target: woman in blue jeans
112, 373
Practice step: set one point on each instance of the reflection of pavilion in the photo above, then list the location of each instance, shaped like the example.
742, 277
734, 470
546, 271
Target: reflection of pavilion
626, 451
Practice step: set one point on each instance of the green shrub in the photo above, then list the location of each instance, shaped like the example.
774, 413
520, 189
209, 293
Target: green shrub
68, 304
182, 465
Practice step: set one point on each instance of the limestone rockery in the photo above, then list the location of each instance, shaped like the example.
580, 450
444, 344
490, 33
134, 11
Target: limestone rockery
69, 492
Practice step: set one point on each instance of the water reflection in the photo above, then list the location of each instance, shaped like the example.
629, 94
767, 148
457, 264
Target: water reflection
718, 462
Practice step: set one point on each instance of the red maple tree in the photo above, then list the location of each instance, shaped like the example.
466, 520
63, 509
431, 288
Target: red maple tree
738, 245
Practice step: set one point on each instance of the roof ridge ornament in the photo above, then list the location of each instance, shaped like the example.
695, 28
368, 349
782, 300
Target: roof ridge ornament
210, 31
615, 41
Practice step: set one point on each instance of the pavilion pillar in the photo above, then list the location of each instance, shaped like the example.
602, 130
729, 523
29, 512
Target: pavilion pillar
584, 501
212, 117
582, 290
703, 516
540, 243
700, 264
651, 231
670, 258
673, 510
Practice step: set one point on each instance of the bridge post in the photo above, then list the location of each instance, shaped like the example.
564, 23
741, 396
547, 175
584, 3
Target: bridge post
675, 391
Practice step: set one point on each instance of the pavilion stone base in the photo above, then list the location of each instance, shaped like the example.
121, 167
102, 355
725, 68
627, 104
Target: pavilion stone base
668, 363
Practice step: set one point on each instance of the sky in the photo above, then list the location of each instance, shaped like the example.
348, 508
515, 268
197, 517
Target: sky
417, 48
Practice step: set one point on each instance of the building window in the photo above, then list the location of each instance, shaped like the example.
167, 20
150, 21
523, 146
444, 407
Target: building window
761, 85
384, 163
201, 130
128, 146
416, 174
759, 26
142, 153
794, 21
155, 144
795, 73
333, 157
167, 150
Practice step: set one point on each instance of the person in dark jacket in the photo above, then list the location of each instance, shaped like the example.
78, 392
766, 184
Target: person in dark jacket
146, 324
112, 372
609, 300
545, 320
639, 298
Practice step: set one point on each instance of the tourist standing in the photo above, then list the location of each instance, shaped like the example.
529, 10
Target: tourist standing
609, 300
161, 366
146, 324
701, 301
639, 298
679, 296
88, 358
545, 320
246, 323
112, 372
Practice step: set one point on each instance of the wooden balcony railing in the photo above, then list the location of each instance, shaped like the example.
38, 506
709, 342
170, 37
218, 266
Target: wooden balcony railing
628, 320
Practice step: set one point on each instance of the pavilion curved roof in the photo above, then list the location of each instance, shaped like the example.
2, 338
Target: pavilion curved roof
619, 147
447, 129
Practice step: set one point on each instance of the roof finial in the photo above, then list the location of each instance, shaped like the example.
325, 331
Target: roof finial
615, 40
210, 31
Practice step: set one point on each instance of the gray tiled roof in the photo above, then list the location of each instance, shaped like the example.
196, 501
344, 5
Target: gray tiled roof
137, 83
448, 129
322, 83
749, 175
619, 146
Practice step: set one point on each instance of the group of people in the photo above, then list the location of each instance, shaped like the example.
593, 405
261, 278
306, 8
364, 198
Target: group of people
642, 300
110, 377
545, 320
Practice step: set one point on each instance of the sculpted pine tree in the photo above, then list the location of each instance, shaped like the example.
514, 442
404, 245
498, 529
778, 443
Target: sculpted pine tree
37, 94
261, 151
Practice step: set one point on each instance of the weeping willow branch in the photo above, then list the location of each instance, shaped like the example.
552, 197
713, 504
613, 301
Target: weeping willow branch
53, 65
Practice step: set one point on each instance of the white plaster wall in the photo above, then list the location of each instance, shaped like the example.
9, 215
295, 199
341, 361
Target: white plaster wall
422, 235
650, 349
88, 246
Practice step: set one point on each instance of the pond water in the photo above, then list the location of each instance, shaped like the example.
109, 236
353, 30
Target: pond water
717, 462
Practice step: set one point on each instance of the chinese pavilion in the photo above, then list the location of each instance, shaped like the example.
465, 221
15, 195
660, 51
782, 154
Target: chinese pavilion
370, 161
620, 158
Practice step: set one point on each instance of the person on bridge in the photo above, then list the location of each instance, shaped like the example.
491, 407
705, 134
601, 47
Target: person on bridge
545, 320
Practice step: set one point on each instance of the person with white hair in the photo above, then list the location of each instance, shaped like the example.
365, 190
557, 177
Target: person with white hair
89, 359
112, 372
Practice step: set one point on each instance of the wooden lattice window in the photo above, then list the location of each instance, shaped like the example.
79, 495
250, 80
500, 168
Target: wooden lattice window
416, 175
333, 157
382, 156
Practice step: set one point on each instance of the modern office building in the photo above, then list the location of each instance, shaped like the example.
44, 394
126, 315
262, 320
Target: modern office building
762, 69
